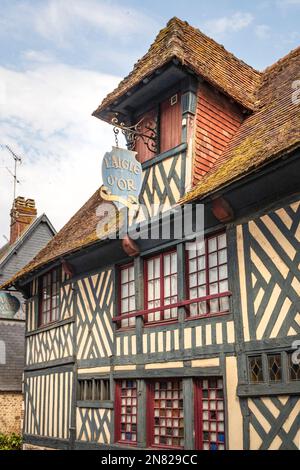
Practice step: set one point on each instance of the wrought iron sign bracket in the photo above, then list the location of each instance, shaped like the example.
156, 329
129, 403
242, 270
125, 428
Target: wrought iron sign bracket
147, 133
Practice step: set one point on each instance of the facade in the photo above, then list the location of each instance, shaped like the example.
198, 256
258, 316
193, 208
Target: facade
173, 348
28, 235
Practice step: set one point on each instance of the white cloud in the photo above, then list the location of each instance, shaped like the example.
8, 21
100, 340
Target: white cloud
228, 24
45, 115
62, 21
262, 31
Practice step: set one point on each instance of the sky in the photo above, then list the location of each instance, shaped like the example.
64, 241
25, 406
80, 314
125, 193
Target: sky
59, 58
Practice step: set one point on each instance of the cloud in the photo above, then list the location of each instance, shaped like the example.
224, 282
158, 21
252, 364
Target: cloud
61, 21
45, 115
262, 31
228, 24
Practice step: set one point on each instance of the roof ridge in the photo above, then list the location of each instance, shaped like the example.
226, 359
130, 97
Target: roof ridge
193, 48
281, 61
199, 31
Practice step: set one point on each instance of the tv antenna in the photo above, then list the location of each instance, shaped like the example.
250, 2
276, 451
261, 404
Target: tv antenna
17, 160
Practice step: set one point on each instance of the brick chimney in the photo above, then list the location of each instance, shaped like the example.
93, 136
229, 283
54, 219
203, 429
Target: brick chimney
23, 213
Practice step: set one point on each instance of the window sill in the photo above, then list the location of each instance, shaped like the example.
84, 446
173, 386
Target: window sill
95, 404
126, 443
209, 315
162, 156
50, 326
161, 323
261, 389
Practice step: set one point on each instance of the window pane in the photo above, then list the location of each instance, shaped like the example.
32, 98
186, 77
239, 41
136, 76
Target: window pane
222, 241
255, 369
212, 244
213, 275
294, 368
274, 366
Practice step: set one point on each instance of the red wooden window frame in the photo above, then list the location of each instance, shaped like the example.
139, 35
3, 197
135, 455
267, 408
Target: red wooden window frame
209, 403
126, 411
164, 420
126, 322
51, 280
163, 313
207, 297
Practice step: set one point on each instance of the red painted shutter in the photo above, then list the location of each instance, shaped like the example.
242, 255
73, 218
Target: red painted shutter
170, 124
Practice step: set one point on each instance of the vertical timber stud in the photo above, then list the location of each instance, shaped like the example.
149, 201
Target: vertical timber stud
246, 423
36, 306
112, 382
139, 295
181, 289
236, 306
188, 406
188, 109
142, 413
73, 401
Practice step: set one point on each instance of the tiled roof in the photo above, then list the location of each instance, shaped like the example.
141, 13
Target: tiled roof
273, 129
79, 232
200, 53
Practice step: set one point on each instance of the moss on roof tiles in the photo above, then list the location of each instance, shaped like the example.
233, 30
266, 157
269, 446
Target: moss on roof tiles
199, 52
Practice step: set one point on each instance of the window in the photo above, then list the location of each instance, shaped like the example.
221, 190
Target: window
209, 414
126, 411
161, 286
294, 369
93, 389
256, 369
208, 276
274, 367
127, 294
165, 417
49, 297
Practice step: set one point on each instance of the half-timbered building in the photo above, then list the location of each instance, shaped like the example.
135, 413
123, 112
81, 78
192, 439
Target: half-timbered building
175, 348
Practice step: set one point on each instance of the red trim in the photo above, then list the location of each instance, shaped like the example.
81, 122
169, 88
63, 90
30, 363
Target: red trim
183, 303
198, 424
149, 414
117, 411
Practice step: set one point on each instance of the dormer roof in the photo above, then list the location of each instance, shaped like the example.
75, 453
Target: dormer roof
204, 56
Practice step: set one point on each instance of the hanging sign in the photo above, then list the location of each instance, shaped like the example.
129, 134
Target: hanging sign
9, 305
122, 178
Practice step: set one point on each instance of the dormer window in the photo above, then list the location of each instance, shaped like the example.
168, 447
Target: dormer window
166, 117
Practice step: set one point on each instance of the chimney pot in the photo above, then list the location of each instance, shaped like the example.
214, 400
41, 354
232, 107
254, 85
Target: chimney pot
23, 213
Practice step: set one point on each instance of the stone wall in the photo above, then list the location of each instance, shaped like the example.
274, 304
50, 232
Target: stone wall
10, 412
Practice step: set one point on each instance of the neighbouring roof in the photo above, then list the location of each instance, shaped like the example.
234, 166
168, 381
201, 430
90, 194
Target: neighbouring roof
80, 231
201, 54
8, 250
3, 250
272, 130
